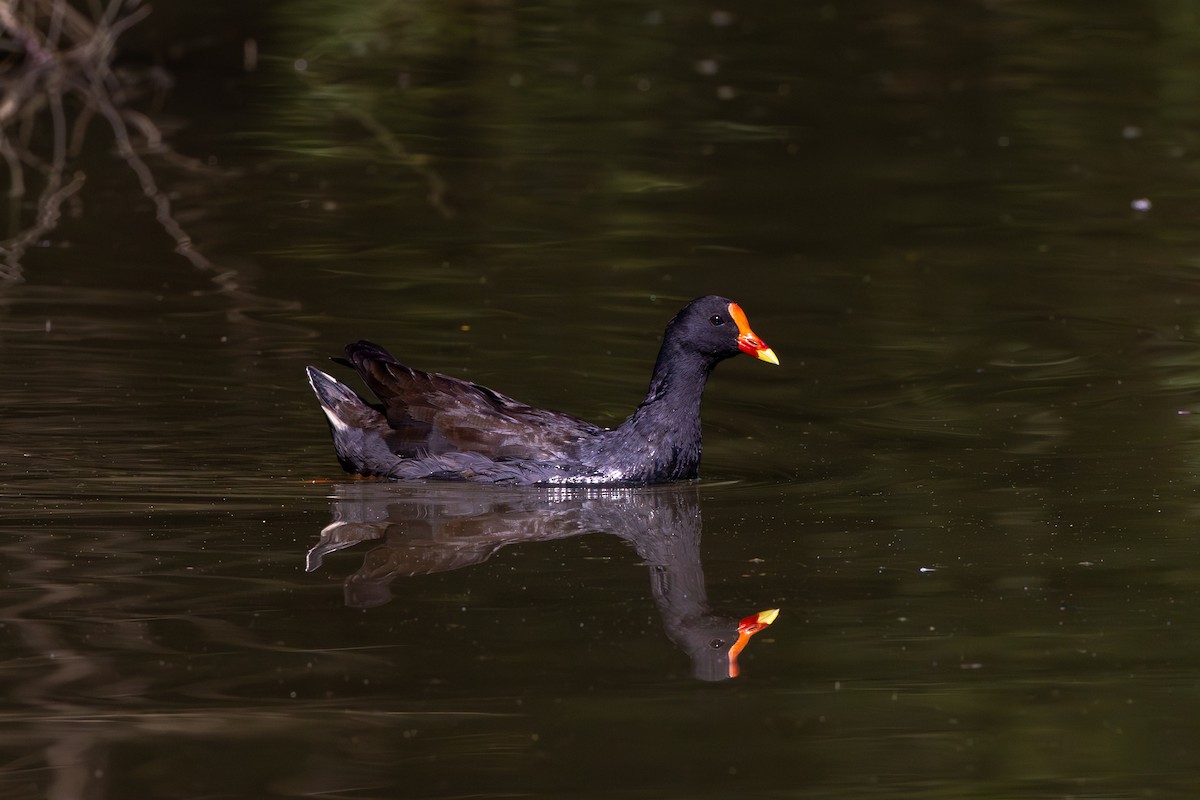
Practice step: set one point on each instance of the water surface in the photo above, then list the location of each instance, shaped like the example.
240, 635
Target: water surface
969, 487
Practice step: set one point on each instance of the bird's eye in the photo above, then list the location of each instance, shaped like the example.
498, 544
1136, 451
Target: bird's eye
716, 644
715, 319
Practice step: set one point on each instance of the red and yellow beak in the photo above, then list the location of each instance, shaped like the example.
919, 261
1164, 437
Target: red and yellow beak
748, 341
747, 628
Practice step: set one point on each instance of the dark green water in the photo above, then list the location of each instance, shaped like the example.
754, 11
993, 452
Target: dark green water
971, 486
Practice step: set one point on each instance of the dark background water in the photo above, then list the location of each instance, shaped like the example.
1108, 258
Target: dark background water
968, 231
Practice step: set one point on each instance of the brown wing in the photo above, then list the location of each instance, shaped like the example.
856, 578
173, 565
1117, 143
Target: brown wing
434, 413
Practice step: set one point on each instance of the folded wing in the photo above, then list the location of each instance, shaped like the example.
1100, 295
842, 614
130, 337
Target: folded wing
430, 414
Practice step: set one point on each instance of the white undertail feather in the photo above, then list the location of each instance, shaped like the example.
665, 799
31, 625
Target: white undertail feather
334, 420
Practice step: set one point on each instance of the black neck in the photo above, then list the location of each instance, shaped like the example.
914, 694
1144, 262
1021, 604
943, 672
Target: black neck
661, 440
677, 385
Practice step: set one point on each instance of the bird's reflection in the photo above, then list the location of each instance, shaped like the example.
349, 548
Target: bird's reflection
425, 529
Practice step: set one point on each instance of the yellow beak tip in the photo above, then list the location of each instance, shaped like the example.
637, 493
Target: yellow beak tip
767, 617
768, 355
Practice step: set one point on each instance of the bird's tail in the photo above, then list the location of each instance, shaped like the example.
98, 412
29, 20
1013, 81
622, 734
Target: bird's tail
357, 428
330, 392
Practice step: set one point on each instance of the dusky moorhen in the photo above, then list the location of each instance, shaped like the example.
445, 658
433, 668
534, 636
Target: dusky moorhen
431, 426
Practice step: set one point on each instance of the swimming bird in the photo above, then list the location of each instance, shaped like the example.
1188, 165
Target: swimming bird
429, 426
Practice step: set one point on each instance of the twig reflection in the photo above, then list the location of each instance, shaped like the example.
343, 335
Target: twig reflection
59, 54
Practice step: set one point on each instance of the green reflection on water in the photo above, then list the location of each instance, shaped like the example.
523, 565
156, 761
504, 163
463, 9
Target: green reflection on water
971, 489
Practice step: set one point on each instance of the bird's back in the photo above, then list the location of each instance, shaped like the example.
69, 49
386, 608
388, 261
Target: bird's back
433, 414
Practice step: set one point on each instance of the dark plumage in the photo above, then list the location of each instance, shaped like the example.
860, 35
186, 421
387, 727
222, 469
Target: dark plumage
432, 426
